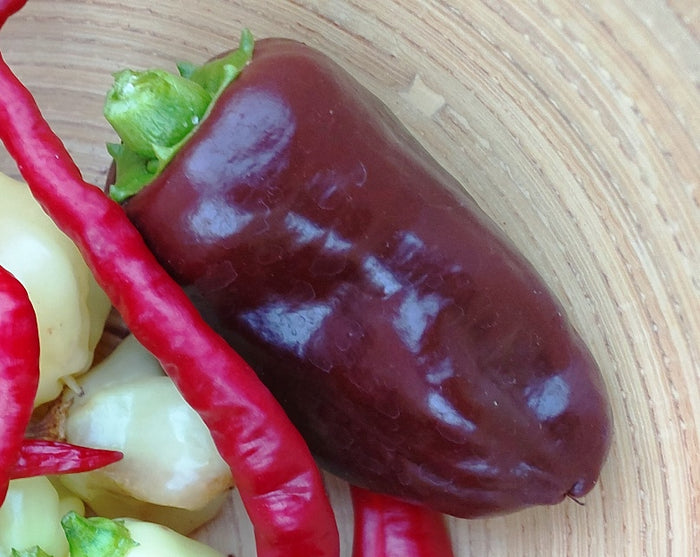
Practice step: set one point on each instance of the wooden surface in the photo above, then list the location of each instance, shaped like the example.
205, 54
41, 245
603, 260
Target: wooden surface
577, 128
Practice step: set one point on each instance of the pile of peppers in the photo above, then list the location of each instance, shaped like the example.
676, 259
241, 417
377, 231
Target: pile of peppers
283, 492
277, 478
275, 471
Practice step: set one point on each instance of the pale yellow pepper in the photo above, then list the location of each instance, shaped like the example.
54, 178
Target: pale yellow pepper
71, 309
31, 516
171, 472
101, 537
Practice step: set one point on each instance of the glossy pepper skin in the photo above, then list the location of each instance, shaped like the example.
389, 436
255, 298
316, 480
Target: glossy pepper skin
415, 350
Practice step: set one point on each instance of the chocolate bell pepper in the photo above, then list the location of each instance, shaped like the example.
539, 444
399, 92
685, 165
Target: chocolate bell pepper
417, 352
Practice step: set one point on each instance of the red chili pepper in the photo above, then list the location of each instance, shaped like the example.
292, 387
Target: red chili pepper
277, 478
19, 371
40, 457
387, 527
9, 7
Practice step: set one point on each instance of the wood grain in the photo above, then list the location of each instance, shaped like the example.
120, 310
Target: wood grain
575, 125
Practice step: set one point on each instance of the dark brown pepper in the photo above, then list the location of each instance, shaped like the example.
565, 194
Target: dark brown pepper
416, 351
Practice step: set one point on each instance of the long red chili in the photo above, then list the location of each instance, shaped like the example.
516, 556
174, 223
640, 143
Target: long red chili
277, 478
19, 371
40, 457
387, 527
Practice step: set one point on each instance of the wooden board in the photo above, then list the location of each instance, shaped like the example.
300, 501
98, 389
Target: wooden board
574, 125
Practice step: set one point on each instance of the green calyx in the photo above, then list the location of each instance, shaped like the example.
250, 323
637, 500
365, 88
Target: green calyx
154, 112
96, 536
168, 107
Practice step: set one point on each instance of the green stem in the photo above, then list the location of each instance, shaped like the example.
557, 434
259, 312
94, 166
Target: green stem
96, 536
154, 112
154, 109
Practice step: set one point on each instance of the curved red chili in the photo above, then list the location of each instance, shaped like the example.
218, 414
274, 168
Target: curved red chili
19, 371
277, 478
387, 527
